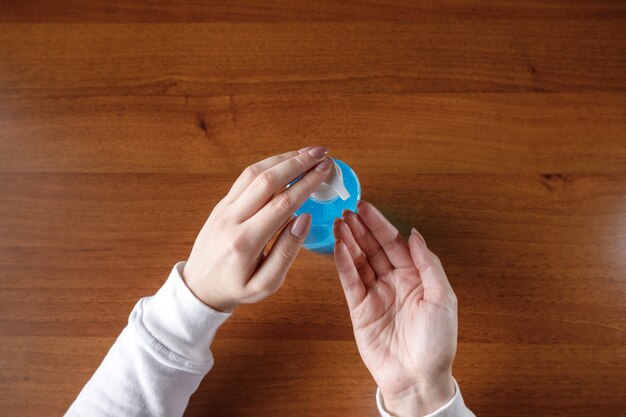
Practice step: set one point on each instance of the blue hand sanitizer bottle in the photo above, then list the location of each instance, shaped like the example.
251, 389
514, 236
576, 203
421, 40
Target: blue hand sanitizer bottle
340, 191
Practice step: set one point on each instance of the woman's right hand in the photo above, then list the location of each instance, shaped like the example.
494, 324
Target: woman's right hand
227, 265
403, 310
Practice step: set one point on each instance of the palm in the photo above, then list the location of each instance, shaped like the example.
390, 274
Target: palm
381, 322
403, 330
395, 330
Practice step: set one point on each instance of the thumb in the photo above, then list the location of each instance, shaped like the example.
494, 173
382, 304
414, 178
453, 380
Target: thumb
428, 265
271, 274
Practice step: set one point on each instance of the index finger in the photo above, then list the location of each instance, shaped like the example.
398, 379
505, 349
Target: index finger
252, 171
273, 180
273, 215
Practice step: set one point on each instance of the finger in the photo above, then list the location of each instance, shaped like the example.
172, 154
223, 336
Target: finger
363, 267
386, 234
268, 219
351, 282
428, 264
368, 244
251, 172
272, 272
273, 180
419, 235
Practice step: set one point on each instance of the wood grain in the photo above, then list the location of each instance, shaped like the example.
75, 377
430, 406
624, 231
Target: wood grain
497, 128
529, 272
253, 58
190, 11
408, 134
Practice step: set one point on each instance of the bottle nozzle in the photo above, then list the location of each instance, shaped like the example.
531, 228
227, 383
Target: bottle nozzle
332, 187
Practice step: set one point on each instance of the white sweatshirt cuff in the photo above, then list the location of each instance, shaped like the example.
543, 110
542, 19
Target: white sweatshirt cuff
178, 326
453, 408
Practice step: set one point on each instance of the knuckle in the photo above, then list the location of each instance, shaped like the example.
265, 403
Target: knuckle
283, 202
218, 219
265, 180
250, 172
434, 260
450, 301
255, 289
453, 299
302, 161
287, 252
220, 205
238, 245
283, 157
221, 222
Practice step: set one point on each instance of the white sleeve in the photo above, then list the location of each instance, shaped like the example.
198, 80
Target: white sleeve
158, 360
453, 408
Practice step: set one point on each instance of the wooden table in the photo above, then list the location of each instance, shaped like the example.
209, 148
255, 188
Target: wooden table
497, 128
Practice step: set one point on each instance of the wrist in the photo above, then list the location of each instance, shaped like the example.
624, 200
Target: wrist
420, 399
218, 304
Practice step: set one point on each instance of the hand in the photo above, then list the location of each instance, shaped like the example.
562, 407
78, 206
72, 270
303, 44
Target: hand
227, 265
403, 311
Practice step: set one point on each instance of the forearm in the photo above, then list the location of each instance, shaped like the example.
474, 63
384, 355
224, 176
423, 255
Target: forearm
158, 360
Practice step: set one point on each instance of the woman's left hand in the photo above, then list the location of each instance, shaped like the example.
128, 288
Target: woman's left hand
403, 310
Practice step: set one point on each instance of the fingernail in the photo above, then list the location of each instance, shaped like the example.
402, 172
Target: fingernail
417, 234
324, 165
300, 226
336, 225
343, 226
318, 152
306, 148
359, 228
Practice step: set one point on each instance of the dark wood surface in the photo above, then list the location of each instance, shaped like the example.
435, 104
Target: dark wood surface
496, 128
